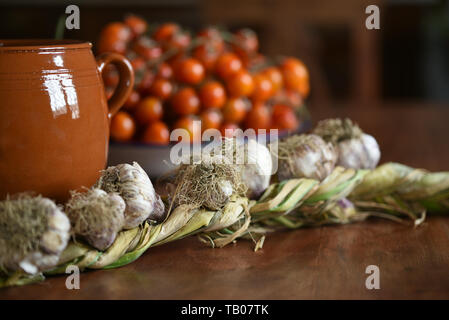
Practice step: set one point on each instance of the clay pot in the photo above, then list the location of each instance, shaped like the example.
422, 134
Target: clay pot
54, 115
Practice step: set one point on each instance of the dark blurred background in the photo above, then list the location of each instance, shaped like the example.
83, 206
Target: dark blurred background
404, 61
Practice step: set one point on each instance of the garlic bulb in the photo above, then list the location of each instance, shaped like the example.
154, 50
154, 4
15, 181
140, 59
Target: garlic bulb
133, 184
96, 216
208, 182
33, 234
257, 167
306, 156
356, 149
253, 160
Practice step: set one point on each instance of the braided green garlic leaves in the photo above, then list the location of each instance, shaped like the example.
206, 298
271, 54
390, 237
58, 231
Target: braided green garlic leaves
398, 189
303, 202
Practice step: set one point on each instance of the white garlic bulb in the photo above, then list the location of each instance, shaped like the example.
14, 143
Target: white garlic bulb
208, 181
359, 153
305, 156
252, 158
33, 233
96, 216
257, 167
133, 184
355, 148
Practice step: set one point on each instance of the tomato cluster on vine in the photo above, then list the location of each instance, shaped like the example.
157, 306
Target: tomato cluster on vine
216, 76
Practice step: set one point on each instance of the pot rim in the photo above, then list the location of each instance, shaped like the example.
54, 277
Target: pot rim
42, 44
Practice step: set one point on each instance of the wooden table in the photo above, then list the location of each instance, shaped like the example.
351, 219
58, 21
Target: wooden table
320, 263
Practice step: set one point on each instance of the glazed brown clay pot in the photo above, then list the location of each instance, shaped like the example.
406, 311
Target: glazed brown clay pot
54, 116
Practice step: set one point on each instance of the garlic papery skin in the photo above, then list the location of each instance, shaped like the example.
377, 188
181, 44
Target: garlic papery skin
359, 153
305, 156
133, 184
356, 149
33, 233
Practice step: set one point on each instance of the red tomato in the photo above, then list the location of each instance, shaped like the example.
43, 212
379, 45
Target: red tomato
132, 101
296, 76
263, 89
210, 119
227, 65
275, 76
240, 84
211, 46
118, 30
206, 55
284, 117
165, 31
156, 133
147, 48
189, 71
246, 40
162, 88
149, 110
165, 71
122, 126
114, 38
235, 110
245, 45
185, 101
136, 24
179, 40
109, 44
144, 85
212, 95
212, 36
138, 63
258, 117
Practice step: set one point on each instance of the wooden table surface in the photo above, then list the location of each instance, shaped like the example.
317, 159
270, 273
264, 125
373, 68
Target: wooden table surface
318, 263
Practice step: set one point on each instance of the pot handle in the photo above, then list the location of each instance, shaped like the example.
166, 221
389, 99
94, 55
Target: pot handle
126, 79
